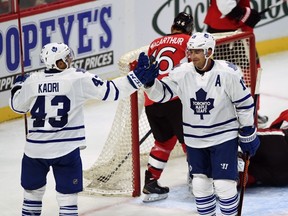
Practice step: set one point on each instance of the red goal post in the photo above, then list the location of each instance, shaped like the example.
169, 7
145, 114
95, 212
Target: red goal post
117, 169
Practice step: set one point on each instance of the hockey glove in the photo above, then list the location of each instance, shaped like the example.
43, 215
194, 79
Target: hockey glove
18, 82
145, 72
248, 16
154, 72
248, 140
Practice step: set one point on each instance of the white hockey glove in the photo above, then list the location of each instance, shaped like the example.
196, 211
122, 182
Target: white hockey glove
145, 72
248, 140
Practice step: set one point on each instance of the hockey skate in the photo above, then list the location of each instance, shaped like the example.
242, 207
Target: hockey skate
152, 190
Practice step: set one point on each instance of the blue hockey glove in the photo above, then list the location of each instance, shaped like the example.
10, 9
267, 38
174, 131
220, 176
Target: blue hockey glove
145, 72
248, 140
20, 79
18, 82
154, 73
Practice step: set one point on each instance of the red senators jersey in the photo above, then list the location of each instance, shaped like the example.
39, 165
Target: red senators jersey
216, 20
169, 51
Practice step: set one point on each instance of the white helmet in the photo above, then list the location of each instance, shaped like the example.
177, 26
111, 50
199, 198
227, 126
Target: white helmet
53, 52
202, 40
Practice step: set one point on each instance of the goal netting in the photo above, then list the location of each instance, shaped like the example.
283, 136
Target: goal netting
117, 171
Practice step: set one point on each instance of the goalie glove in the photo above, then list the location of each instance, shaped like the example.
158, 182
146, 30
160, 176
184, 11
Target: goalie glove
145, 72
248, 16
248, 140
18, 83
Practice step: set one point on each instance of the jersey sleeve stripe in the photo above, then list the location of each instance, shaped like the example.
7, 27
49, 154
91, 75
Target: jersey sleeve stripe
245, 107
242, 99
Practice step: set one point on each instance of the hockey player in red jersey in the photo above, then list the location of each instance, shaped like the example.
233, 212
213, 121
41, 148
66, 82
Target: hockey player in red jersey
232, 15
165, 119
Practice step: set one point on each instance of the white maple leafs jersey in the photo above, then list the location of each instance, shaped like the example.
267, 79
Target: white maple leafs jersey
215, 104
55, 102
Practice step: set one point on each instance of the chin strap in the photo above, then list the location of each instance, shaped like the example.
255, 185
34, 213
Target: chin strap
206, 60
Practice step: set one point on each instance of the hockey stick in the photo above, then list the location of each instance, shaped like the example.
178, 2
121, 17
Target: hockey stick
107, 177
246, 155
243, 182
272, 6
21, 55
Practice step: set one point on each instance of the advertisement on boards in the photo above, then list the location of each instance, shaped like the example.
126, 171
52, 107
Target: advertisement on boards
86, 29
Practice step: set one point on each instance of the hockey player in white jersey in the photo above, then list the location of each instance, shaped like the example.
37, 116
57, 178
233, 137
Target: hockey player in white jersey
217, 115
56, 130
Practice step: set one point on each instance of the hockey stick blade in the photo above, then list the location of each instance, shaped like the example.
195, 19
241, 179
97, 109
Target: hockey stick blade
106, 178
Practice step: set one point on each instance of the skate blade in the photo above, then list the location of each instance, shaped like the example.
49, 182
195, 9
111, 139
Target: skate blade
154, 197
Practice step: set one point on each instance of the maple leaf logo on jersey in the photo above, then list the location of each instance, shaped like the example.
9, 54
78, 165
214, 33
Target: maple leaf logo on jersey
201, 105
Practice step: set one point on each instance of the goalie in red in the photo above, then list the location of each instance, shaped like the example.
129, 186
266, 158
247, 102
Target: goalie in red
165, 119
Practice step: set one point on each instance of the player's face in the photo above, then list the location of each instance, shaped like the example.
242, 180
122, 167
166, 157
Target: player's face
197, 57
62, 65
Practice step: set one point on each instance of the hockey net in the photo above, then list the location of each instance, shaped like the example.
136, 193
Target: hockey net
117, 169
